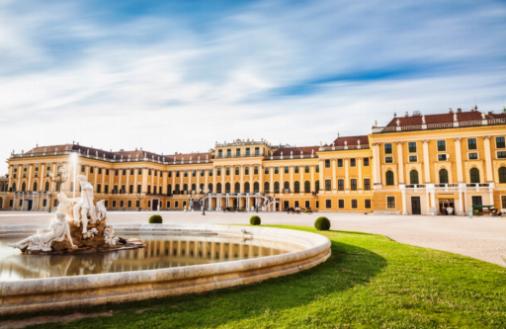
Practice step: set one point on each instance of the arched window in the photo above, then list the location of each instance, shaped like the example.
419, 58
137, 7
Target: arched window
218, 188
194, 187
413, 177
474, 175
443, 176
389, 178
46, 188
246, 187
35, 186
286, 187
276, 187
23, 187
502, 175
176, 189
296, 187
185, 188
13, 187
227, 187
307, 187
237, 188
210, 188
266, 187
256, 187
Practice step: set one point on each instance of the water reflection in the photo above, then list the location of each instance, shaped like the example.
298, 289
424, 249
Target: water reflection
156, 254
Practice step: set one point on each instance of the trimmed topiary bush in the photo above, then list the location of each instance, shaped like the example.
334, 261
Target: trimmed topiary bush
255, 220
322, 224
155, 219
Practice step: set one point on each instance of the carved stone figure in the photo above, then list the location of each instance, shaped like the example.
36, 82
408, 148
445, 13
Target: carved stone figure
78, 226
42, 241
84, 206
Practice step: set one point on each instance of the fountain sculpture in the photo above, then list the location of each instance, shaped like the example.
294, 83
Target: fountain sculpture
78, 226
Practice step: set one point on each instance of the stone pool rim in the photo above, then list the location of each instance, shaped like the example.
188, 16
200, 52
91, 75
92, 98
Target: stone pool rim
44, 294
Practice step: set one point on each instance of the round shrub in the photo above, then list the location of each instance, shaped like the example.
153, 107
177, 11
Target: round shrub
255, 220
322, 224
155, 219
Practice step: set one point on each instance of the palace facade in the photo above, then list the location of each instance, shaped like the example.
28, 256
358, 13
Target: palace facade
448, 163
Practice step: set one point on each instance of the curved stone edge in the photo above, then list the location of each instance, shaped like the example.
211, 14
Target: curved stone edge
37, 295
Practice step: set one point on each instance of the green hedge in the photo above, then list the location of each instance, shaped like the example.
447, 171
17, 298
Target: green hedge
255, 220
322, 224
155, 219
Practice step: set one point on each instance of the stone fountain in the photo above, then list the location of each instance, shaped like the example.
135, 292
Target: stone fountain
78, 226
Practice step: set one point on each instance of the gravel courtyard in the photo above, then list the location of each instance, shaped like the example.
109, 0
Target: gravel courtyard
479, 237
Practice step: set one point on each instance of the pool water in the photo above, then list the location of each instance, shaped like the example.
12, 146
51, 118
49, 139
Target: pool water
158, 253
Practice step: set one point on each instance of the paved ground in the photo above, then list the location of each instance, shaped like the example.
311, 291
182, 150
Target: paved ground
479, 237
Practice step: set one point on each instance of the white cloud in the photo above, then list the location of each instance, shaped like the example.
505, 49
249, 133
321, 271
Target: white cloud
155, 83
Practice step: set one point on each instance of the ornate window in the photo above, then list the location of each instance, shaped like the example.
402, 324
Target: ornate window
474, 175
307, 187
502, 175
389, 178
413, 177
443, 176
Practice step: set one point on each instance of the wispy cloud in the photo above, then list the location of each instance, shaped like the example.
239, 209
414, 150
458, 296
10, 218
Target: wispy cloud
177, 76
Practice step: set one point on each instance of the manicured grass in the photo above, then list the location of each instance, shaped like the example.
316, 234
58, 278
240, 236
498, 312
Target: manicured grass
370, 281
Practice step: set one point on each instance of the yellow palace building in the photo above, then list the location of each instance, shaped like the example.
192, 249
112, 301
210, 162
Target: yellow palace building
448, 163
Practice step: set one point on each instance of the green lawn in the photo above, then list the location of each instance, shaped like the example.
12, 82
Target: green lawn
370, 281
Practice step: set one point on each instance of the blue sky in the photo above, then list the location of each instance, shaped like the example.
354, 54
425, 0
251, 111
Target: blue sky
178, 76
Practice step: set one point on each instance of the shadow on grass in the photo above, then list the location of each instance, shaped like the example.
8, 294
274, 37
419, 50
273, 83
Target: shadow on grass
348, 266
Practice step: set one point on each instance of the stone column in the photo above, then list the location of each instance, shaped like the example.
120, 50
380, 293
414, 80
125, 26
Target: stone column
206, 183
181, 180
430, 191
347, 174
460, 178
282, 180
214, 180
488, 160
261, 178
426, 162
251, 171
102, 182
291, 173
458, 161
403, 199
333, 163
232, 179
360, 183
223, 172
20, 174
241, 180
144, 180
302, 184
320, 176
197, 172
271, 185
311, 174
400, 163
29, 180
376, 166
